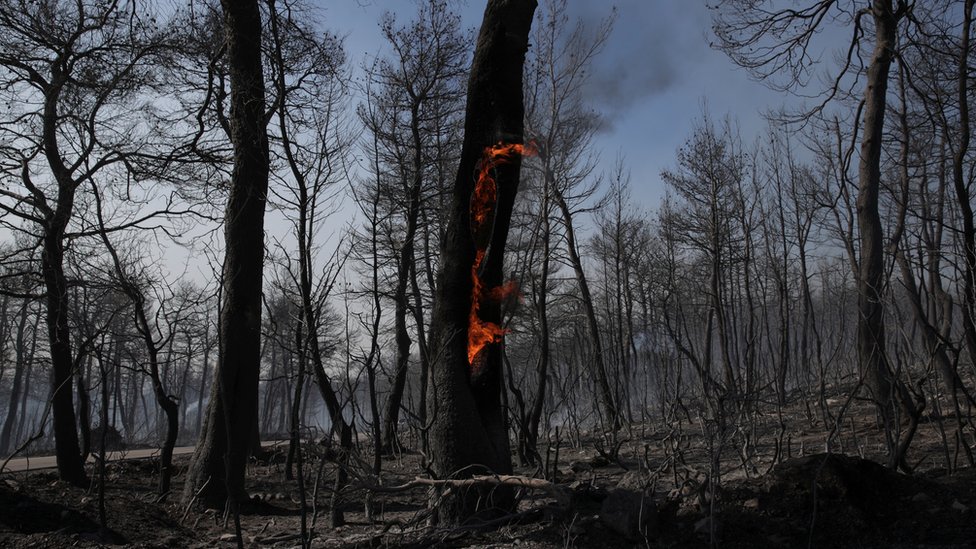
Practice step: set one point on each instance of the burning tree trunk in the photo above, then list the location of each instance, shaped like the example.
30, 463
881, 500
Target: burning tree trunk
468, 433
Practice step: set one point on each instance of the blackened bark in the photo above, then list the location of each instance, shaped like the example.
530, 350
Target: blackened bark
295, 440
15, 390
218, 466
418, 317
405, 271
468, 433
605, 392
71, 466
203, 378
84, 410
168, 404
872, 357
530, 433
20, 366
961, 185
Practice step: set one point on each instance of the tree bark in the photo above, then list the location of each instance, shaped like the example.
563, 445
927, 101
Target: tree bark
15, 390
84, 407
218, 466
872, 357
204, 374
391, 415
530, 432
605, 393
71, 467
468, 434
961, 185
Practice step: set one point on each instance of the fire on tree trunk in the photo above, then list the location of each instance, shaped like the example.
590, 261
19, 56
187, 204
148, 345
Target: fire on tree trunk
468, 434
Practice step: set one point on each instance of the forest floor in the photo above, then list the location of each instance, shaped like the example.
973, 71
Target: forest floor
654, 493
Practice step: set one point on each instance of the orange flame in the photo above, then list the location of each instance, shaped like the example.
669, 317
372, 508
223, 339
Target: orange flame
481, 333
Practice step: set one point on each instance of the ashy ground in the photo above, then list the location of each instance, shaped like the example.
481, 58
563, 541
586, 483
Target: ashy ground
655, 492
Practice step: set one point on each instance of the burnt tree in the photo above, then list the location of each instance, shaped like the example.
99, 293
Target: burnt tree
217, 471
871, 282
71, 74
468, 434
775, 44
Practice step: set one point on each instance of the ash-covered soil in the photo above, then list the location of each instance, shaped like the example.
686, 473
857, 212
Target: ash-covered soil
654, 491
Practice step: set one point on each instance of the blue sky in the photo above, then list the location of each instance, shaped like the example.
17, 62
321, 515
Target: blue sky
651, 80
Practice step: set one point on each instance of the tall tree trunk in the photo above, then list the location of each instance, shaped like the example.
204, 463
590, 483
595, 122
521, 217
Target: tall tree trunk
15, 390
468, 433
751, 337
295, 438
405, 272
310, 311
204, 374
71, 466
167, 404
391, 414
129, 413
717, 245
218, 466
872, 357
418, 318
783, 294
962, 187
604, 391
184, 379
531, 429
25, 399
84, 407
270, 390
371, 363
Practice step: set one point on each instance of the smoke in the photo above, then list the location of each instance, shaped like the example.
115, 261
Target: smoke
650, 48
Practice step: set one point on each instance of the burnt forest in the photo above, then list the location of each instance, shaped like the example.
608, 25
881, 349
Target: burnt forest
565, 274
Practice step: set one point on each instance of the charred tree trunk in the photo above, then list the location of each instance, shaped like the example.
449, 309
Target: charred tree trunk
406, 273
961, 185
204, 375
15, 390
468, 434
418, 316
218, 466
84, 407
28, 365
872, 357
605, 393
71, 466
531, 429
371, 363
295, 441
391, 415
168, 404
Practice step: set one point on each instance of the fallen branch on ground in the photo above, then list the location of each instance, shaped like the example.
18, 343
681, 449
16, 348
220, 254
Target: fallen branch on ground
561, 494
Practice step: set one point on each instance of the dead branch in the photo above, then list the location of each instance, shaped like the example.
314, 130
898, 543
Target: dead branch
561, 494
